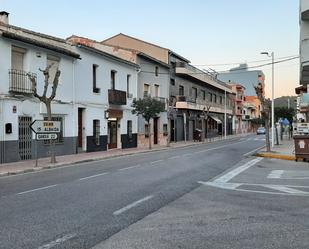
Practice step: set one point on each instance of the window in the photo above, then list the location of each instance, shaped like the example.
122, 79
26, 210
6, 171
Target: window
181, 90
113, 79
173, 82
59, 139
96, 131
146, 130
194, 92
53, 62
215, 98
165, 132
129, 95
203, 94
17, 59
129, 128
210, 97
157, 71
221, 100
95, 89
146, 90
157, 88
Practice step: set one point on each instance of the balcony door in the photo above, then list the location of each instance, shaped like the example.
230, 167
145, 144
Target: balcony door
112, 134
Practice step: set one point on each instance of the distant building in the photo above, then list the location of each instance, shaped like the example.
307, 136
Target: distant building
245, 77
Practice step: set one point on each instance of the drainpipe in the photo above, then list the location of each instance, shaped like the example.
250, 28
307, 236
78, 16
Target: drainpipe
73, 107
2, 142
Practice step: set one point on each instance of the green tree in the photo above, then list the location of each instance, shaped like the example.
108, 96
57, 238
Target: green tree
284, 112
149, 108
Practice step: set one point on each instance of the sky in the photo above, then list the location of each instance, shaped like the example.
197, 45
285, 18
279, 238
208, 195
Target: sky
207, 32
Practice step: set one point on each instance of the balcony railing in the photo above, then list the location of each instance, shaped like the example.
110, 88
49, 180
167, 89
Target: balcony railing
117, 97
19, 81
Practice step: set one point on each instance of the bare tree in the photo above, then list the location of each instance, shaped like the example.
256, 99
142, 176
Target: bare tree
265, 103
46, 100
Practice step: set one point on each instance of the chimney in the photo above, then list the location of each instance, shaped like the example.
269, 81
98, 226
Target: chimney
4, 17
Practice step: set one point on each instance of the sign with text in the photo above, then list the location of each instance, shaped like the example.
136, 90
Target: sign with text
45, 136
303, 127
42, 126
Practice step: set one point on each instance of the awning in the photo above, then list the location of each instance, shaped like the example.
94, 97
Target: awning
216, 119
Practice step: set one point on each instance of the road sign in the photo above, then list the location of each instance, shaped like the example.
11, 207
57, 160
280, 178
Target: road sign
42, 126
45, 136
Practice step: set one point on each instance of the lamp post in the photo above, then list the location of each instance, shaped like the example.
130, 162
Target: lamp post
272, 55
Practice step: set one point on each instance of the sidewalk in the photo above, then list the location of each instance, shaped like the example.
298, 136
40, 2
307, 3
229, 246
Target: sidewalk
283, 151
44, 163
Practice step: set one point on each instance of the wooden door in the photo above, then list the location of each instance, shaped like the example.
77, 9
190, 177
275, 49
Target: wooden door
155, 130
112, 134
80, 127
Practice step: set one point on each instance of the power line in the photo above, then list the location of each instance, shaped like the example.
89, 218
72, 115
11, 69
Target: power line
232, 71
237, 63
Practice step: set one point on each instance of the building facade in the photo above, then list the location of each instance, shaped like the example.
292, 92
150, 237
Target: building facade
190, 91
245, 77
26, 52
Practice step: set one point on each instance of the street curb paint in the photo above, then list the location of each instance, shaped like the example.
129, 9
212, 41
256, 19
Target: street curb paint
276, 156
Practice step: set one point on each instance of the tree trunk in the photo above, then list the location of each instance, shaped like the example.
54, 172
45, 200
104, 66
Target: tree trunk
51, 142
149, 134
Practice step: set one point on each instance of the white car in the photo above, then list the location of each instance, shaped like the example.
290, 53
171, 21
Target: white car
261, 131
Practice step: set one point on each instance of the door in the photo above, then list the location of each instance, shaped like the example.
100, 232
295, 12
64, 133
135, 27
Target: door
172, 131
24, 138
155, 130
80, 127
112, 134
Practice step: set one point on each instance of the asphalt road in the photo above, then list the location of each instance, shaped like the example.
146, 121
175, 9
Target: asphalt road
82, 205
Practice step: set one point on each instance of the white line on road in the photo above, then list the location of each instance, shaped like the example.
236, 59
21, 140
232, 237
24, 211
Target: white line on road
231, 174
131, 167
89, 177
275, 174
287, 190
134, 204
57, 241
252, 151
174, 157
36, 189
158, 161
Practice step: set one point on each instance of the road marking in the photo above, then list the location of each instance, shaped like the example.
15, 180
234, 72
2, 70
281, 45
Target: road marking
174, 157
275, 174
134, 204
57, 241
231, 174
131, 167
252, 151
286, 189
158, 161
188, 154
89, 177
36, 189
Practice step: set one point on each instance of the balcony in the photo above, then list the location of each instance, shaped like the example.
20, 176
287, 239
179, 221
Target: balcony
194, 73
304, 9
183, 102
117, 97
19, 81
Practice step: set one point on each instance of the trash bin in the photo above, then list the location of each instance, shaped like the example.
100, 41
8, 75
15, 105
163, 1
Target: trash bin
301, 143
197, 136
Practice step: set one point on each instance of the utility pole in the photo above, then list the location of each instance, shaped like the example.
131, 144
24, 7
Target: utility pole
224, 113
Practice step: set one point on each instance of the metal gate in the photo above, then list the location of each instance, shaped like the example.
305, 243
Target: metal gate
24, 138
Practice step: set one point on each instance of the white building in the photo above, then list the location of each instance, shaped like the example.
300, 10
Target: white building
23, 51
105, 86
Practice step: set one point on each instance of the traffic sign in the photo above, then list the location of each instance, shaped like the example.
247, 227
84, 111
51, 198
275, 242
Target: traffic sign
45, 136
43, 126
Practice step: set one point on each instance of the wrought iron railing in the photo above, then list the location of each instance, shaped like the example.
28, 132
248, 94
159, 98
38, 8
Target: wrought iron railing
20, 82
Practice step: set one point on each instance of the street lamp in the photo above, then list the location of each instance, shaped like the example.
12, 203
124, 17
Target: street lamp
224, 112
272, 55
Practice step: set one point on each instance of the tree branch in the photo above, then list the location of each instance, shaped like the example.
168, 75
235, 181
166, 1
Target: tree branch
55, 85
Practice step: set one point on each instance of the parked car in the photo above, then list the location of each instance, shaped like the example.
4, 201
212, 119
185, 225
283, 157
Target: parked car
261, 131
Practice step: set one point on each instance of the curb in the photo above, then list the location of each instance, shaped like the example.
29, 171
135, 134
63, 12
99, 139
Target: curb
276, 156
59, 165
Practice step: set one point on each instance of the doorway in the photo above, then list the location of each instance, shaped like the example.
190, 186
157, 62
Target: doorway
112, 134
155, 130
80, 128
24, 138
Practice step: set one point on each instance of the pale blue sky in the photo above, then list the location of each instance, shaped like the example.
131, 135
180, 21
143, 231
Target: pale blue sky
204, 31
